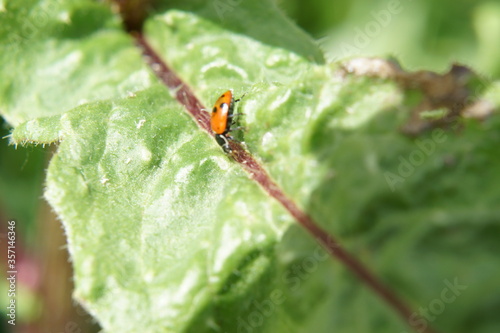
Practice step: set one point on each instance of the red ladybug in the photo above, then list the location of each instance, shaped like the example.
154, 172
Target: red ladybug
222, 118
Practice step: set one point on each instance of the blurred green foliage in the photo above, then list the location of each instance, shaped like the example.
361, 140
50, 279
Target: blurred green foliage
422, 34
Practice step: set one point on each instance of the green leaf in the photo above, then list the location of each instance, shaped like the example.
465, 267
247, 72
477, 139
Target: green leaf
63, 54
168, 234
144, 229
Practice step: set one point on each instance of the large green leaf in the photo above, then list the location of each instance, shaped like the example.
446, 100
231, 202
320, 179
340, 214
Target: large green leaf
168, 234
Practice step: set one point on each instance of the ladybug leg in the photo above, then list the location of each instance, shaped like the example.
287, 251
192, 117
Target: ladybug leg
239, 99
229, 137
237, 114
223, 141
233, 122
227, 149
237, 128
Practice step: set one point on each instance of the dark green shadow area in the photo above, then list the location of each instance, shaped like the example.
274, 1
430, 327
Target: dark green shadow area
421, 213
259, 20
21, 179
299, 283
234, 304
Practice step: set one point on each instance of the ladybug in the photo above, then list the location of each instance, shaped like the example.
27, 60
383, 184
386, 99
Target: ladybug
221, 119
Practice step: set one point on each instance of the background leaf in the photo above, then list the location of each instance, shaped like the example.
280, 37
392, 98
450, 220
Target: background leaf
63, 54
